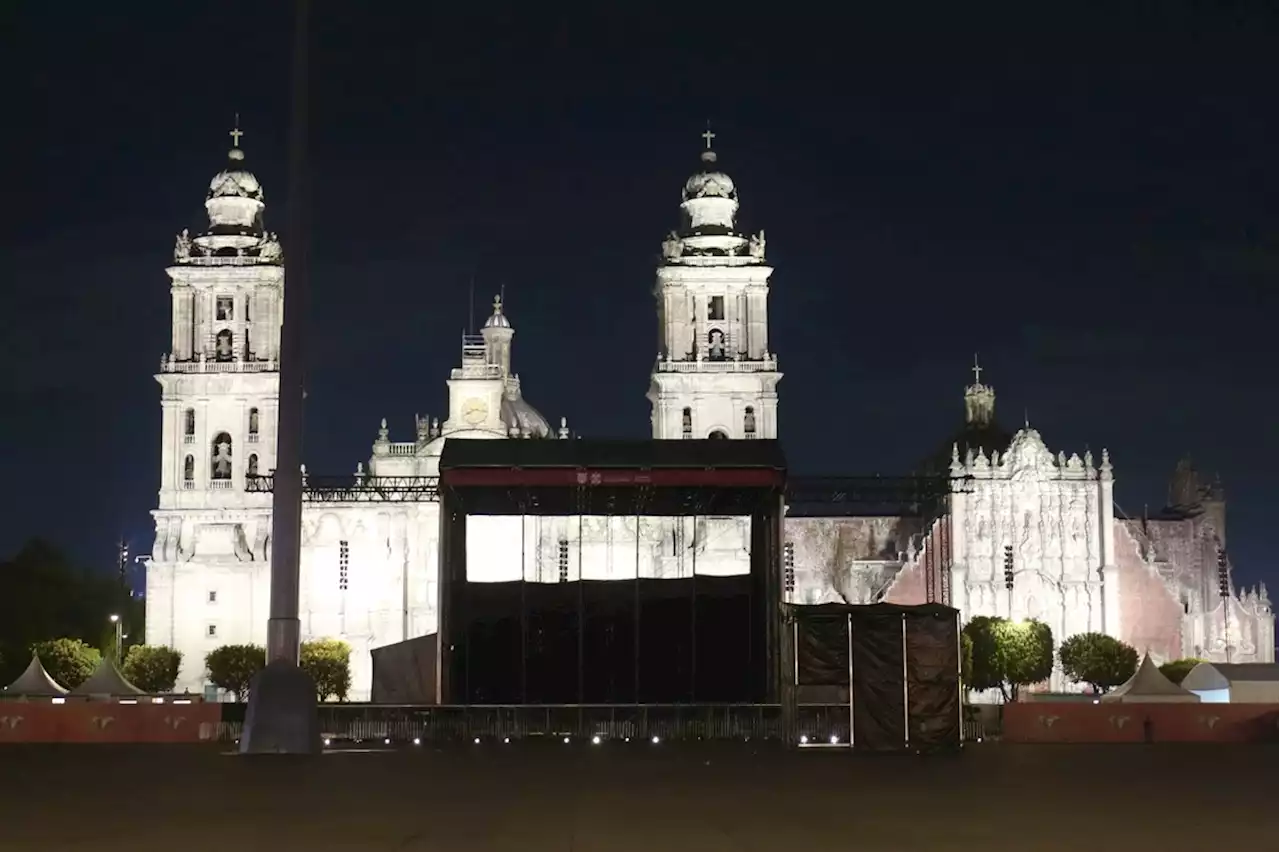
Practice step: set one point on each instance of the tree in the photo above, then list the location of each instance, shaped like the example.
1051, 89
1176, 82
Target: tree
328, 661
232, 667
1176, 670
1008, 655
68, 661
966, 659
1026, 654
1097, 659
152, 668
984, 657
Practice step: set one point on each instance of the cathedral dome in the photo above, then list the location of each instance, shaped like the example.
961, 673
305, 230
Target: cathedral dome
519, 415
235, 181
710, 182
235, 201
710, 200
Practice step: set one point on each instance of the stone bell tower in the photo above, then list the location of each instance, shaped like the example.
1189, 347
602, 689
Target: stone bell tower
714, 376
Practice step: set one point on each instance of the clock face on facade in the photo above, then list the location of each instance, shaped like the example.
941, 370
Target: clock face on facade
474, 411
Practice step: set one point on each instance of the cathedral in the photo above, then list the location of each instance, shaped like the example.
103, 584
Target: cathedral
1032, 534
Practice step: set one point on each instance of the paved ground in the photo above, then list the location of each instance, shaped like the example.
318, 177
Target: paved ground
640, 797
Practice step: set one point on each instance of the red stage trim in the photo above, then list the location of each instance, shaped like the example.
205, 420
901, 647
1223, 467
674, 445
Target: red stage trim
568, 477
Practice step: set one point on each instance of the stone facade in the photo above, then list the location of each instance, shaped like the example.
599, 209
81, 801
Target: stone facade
369, 570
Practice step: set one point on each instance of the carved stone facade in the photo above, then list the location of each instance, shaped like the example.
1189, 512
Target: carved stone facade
369, 571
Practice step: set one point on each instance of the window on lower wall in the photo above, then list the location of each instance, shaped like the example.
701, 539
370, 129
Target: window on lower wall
213, 597
212, 631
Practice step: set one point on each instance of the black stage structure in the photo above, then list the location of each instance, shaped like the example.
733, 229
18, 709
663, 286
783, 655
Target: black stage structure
895, 668
753, 679
696, 639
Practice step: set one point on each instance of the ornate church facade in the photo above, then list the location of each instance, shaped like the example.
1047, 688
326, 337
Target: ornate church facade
1030, 535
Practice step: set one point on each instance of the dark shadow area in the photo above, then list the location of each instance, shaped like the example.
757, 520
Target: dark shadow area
621, 797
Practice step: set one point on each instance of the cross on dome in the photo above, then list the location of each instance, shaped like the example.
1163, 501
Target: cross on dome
977, 371
708, 136
236, 133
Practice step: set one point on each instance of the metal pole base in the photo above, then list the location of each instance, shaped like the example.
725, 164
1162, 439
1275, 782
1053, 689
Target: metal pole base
282, 717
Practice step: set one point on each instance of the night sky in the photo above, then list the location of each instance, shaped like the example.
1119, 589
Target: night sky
1087, 200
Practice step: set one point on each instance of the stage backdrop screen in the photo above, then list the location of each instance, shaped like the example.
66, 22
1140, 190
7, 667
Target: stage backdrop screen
608, 610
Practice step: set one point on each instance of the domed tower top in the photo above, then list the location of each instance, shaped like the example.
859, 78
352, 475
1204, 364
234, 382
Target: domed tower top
710, 200
235, 201
235, 204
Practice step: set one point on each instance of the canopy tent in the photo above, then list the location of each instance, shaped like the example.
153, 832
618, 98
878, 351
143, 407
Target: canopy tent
1149, 686
1235, 683
106, 681
35, 682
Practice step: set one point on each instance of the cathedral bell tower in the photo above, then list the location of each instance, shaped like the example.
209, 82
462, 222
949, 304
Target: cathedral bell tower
714, 376
220, 379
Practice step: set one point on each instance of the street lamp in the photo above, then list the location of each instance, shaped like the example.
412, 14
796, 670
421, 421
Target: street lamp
115, 619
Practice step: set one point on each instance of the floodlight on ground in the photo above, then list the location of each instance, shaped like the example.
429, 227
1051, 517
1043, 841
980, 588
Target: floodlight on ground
506, 739
328, 741
417, 741
804, 739
476, 741
566, 740
387, 741
595, 740
654, 740
834, 740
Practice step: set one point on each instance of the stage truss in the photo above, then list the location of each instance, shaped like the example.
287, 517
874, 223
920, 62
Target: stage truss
827, 496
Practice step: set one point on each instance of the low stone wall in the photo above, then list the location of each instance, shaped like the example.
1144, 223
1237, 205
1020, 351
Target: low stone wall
1052, 722
107, 722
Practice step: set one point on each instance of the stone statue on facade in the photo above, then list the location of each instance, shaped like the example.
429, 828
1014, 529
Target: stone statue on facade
756, 246
182, 246
672, 247
269, 250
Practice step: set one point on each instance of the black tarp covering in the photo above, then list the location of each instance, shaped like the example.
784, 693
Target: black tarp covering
405, 672
905, 670
609, 642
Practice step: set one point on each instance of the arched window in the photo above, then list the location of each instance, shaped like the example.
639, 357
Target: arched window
251, 468
188, 471
220, 458
749, 422
224, 345
189, 423
716, 345
253, 425
686, 423
718, 435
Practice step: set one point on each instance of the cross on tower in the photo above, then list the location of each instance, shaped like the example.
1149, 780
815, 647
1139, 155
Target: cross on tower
977, 371
708, 135
236, 133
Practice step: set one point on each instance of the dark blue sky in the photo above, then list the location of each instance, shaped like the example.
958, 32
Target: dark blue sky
1087, 199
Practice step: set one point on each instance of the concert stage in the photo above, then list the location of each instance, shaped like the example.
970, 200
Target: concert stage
638, 640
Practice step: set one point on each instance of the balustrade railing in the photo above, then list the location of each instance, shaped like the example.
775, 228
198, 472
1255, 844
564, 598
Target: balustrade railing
220, 485
210, 366
728, 366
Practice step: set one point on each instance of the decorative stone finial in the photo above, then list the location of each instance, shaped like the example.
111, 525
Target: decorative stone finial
564, 428
383, 433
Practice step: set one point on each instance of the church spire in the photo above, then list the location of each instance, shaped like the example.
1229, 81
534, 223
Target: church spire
979, 399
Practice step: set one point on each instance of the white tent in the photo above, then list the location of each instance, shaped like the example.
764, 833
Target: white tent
106, 681
35, 682
1236, 683
1149, 686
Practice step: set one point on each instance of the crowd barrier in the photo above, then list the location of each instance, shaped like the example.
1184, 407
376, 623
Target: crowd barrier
107, 722
1046, 722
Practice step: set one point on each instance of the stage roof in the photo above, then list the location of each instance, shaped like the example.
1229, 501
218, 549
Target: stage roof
611, 454
566, 477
